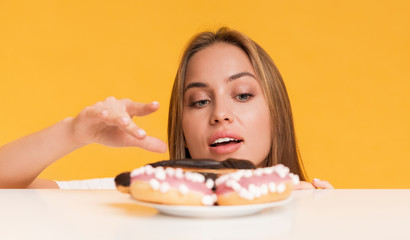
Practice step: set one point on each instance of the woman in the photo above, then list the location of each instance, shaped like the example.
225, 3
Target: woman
228, 101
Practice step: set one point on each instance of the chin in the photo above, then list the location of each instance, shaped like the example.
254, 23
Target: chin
235, 156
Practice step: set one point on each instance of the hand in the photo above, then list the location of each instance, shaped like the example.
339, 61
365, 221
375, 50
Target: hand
316, 184
110, 123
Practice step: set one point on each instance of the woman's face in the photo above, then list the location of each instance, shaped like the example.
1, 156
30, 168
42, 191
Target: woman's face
225, 114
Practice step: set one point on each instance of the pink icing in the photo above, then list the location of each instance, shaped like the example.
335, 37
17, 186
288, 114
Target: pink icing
255, 180
175, 182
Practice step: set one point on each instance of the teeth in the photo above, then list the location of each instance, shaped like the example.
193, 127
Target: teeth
222, 140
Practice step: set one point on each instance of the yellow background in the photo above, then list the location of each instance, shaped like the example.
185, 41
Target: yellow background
345, 63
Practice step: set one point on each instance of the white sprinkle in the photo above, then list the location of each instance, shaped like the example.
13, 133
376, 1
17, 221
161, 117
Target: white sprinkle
258, 172
221, 179
295, 178
154, 183
214, 197
243, 193
248, 173
264, 189
170, 171
179, 173
160, 174
281, 188
251, 188
183, 189
136, 172
236, 177
281, 170
164, 187
208, 200
149, 169
254, 191
236, 186
272, 187
193, 177
209, 183
188, 176
268, 170
229, 183
281, 173
197, 177
240, 173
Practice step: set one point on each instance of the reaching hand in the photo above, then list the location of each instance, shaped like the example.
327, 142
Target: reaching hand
110, 123
316, 184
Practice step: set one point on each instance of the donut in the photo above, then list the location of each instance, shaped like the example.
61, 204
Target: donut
207, 165
262, 185
172, 186
206, 182
178, 182
122, 182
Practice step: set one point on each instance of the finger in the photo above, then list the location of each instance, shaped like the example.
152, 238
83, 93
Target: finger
304, 185
151, 144
117, 119
134, 130
141, 109
94, 113
125, 123
322, 184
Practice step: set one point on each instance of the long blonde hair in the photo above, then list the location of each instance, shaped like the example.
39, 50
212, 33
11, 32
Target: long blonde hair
284, 148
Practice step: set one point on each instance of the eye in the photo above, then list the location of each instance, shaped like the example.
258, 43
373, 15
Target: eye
244, 97
200, 103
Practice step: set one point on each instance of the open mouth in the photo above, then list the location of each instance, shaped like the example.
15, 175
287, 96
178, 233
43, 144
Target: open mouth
225, 141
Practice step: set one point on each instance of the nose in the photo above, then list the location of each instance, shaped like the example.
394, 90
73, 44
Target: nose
221, 114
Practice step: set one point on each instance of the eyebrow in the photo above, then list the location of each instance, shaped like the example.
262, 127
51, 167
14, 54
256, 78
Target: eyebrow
241, 74
231, 78
194, 85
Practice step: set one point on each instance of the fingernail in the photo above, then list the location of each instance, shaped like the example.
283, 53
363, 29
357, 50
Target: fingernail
141, 132
104, 113
155, 103
316, 179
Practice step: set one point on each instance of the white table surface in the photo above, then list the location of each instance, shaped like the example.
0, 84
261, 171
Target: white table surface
108, 214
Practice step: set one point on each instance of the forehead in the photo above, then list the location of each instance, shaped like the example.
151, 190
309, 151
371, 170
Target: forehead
218, 61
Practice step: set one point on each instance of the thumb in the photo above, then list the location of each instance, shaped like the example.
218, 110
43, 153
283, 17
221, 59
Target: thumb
149, 143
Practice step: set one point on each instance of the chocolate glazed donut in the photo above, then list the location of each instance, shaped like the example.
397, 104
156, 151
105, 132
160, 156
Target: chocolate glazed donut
203, 164
209, 168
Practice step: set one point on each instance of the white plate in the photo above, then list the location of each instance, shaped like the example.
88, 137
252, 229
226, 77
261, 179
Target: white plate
213, 211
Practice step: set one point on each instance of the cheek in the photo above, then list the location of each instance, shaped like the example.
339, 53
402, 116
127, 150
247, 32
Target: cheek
191, 127
186, 127
260, 133
259, 118
262, 130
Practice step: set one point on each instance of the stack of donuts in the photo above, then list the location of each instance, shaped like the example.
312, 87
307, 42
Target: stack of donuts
206, 182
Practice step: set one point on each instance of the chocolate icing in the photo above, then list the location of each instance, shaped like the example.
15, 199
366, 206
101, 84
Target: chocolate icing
229, 163
124, 179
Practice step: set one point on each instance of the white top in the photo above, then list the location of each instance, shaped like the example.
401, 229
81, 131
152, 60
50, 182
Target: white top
50, 214
97, 183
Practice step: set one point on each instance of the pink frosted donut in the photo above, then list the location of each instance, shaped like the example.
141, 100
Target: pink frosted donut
255, 186
174, 182
171, 186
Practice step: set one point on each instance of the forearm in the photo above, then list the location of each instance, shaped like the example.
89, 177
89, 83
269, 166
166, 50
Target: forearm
22, 160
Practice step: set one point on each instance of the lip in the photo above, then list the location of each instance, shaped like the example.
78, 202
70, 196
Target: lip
223, 134
225, 149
